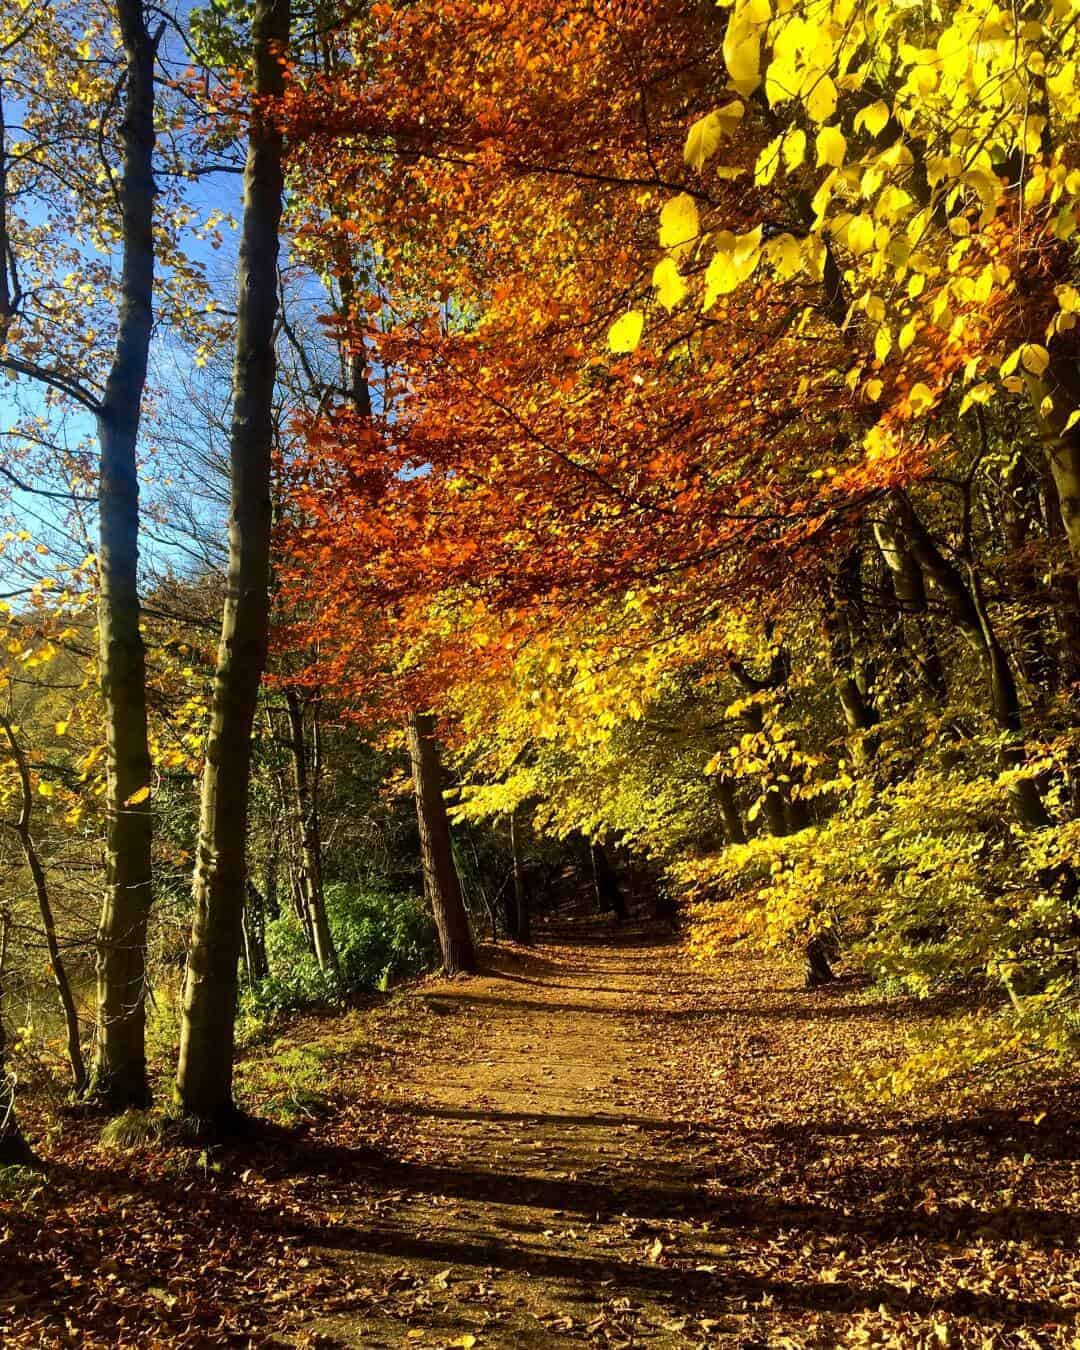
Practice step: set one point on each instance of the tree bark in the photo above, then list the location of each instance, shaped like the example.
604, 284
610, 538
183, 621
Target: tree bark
729, 809
968, 611
521, 896
21, 829
14, 1150
1061, 443
204, 1074
307, 811
119, 1077
609, 896
441, 882
860, 715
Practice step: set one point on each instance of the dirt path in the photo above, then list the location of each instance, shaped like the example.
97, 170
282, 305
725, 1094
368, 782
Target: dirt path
603, 1142
599, 1142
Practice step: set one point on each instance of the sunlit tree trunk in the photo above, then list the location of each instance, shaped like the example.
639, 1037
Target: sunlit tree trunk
441, 883
204, 1075
119, 1077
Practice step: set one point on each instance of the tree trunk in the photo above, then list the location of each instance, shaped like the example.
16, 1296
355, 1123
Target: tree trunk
310, 877
441, 883
204, 1075
119, 1073
965, 604
521, 895
1060, 392
609, 896
729, 809
255, 961
21, 829
14, 1150
819, 969
860, 715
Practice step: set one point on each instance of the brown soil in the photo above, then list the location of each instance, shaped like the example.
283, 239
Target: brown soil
596, 1142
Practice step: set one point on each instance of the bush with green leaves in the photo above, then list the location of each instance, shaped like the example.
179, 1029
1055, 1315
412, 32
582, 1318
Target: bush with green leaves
379, 935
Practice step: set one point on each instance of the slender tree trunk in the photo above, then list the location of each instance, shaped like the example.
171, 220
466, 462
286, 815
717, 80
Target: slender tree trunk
119, 1073
441, 882
21, 829
860, 715
310, 876
14, 1150
204, 1075
1019, 511
521, 895
255, 961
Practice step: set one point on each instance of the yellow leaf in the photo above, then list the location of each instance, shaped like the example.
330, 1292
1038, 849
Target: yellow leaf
794, 149
768, 161
820, 97
720, 276
669, 284
874, 390
1034, 358
46, 789
873, 118
882, 342
679, 223
831, 146
784, 255
920, 398
742, 44
860, 234
139, 796
61, 728
705, 135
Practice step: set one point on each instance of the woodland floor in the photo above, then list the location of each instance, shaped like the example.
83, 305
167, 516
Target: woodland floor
594, 1142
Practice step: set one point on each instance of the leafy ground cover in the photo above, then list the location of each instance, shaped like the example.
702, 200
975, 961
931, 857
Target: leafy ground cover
594, 1142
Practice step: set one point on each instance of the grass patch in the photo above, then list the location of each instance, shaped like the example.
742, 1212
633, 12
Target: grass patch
288, 1085
134, 1129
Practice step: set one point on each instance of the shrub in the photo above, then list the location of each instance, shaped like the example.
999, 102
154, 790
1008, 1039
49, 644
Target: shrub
378, 934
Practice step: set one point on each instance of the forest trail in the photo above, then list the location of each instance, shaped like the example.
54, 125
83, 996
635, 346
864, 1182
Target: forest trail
594, 1142
557, 1181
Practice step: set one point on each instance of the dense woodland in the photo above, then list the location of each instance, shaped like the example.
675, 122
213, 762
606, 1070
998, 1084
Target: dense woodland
468, 462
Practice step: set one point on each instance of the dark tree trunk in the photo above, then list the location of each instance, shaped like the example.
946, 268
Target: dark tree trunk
310, 873
441, 883
965, 605
119, 1077
729, 809
21, 829
14, 1150
204, 1075
523, 922
255, 915
609, 896
819, 970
